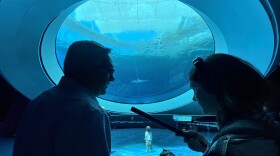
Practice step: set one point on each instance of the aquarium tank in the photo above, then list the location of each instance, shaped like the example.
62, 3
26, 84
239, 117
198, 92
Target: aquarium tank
153, 43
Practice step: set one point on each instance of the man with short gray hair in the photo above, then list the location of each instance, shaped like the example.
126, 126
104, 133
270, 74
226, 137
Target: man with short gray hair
67, 119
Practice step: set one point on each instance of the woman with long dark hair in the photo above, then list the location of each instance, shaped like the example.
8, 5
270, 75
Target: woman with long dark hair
234, 91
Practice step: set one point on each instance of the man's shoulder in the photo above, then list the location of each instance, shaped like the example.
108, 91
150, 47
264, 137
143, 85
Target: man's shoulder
63, 100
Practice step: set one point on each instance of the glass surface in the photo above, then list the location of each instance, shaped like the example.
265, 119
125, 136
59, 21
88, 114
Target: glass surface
153, 44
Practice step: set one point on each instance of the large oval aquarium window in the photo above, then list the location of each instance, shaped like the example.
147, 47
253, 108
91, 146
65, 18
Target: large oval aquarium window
153, 44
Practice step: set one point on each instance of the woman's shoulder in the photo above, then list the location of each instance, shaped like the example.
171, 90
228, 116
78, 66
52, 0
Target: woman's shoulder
242, 145
245, 137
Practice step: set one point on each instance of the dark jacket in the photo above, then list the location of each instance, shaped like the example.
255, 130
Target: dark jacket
253, 136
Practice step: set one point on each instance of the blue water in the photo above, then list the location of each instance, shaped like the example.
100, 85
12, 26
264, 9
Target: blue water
151, 60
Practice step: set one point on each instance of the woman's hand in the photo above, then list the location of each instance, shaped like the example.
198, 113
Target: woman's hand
197, 142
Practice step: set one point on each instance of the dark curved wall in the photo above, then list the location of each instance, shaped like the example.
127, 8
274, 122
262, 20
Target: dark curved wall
12, 105
7, 96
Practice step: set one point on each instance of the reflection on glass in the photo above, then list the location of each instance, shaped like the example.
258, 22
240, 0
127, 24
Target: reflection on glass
153, 44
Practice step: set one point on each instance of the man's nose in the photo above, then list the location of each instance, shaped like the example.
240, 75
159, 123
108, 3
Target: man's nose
194, 98
111, 78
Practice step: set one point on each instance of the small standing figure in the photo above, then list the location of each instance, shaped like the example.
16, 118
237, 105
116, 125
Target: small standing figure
148, 139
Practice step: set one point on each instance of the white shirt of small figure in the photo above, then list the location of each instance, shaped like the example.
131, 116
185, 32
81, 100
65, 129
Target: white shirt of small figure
148, 140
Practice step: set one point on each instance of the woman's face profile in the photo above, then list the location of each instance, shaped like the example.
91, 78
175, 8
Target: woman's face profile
206, 100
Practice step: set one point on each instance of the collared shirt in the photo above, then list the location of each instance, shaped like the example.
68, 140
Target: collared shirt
65, 120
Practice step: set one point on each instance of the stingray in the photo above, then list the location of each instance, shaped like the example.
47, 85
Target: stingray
139, 81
